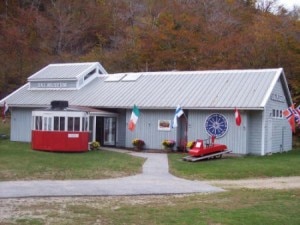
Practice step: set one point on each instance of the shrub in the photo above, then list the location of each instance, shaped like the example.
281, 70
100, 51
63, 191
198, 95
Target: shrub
95, 145
138, 143
190, 144
168, 143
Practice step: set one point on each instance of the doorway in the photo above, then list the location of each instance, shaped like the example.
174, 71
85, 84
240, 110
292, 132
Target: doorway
106, 131
182, 130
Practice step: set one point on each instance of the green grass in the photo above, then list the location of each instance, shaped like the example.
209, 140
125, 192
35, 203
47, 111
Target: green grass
276, 165
18, 161
5, 128
247, 207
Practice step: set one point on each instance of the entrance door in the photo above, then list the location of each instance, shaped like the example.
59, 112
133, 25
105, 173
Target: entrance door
182, 133
106, 130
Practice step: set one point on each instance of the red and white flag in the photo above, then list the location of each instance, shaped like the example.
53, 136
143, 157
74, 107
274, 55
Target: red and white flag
4, 110
297, 115
290, 115
238, 118
134, 117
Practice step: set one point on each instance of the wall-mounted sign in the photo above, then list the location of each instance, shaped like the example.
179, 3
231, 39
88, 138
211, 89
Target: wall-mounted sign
277, 97
73, 135
216, 125
164, 125
53, 84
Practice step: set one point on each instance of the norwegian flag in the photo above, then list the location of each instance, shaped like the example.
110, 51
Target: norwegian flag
297, 115
289, 113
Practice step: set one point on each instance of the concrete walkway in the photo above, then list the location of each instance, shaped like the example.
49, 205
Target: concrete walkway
154, 180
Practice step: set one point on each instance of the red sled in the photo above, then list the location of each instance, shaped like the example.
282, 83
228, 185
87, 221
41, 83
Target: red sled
201, 151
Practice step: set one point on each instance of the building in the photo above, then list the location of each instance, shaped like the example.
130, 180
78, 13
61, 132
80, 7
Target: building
208, 99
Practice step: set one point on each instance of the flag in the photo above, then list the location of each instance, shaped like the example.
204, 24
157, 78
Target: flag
237, 115
297, 115
4, 110
134, 117
290, 115
178, 113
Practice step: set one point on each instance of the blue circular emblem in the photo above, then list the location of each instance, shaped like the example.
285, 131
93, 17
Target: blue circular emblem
216, 125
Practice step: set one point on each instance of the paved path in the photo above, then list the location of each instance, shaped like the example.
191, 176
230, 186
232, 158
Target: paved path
155, 179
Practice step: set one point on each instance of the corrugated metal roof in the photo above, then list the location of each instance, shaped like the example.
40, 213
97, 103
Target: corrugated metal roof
65, 71
246, 89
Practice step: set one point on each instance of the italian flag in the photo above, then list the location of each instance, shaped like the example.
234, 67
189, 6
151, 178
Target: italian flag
134, 117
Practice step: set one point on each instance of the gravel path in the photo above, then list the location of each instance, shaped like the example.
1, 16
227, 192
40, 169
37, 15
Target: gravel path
262, 183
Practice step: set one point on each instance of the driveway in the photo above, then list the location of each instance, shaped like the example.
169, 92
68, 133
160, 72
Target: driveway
154, 180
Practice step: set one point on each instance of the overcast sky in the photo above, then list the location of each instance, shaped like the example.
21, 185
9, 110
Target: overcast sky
289, 3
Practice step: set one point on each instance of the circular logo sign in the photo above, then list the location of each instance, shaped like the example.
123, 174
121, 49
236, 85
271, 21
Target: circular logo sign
216, 125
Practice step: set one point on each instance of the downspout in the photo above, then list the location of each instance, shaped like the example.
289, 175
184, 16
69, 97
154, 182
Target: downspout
263, 133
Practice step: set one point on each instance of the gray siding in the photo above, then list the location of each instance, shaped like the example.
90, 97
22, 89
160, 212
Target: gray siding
20, 124
121, 129
278, 134
255, 132
147, 128
235, 138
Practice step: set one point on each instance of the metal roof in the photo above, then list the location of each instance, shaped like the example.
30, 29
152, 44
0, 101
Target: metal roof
65, 71
245, 89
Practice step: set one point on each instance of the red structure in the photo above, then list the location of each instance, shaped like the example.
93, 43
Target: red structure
60, 129
200, 149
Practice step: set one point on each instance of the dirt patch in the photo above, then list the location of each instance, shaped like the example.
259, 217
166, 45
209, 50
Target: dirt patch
263, 183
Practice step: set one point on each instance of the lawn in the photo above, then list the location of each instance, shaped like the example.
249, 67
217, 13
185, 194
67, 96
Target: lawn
234, 206
276, 165
248, 207
19, 162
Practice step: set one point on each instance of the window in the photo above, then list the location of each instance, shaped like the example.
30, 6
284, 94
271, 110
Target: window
59, 123
38, 123
85, 123
276, 113
73, 123
89, 74
47, 123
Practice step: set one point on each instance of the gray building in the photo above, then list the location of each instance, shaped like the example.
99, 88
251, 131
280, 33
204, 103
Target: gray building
208, 99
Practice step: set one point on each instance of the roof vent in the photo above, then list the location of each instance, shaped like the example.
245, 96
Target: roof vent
59, 104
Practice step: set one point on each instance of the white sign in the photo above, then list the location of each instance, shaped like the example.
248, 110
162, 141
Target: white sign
52, 85
73, 135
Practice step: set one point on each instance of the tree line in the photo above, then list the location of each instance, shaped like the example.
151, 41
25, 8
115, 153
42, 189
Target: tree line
148, 35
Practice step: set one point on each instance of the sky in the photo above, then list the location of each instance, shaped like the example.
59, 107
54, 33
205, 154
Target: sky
289, 3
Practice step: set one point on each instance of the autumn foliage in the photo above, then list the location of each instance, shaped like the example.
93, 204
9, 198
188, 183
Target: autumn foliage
147, 35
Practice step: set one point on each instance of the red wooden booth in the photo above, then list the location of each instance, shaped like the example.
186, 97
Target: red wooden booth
60, 129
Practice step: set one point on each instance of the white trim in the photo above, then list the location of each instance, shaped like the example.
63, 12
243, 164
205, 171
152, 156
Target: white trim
271, 87
16, 91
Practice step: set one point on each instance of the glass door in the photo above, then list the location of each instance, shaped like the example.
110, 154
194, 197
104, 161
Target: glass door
109, 131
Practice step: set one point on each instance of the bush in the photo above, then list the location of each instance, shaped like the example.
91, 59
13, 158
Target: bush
190, 144
138, 143
95, 145
168, 143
